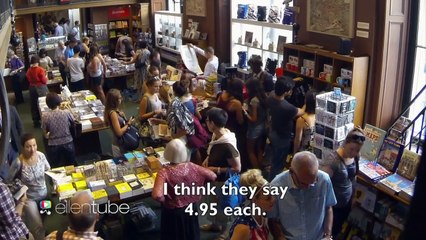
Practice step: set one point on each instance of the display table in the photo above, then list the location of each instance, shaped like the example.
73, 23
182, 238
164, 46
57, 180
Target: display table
117, 73
90, 113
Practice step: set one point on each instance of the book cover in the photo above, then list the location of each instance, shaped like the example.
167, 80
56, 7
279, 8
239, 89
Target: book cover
374, 137
248, 40
407, 192
372, 170
369, 200
281, 42
394, 183
390, 154
408, 165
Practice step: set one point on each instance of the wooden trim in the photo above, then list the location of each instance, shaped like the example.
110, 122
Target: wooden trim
54, 8
5, 33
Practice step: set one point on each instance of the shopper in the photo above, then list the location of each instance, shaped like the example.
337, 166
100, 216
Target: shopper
179, 117
151, 105
84, 48
305, 125
122, 45
69, 51
18, 75
256, 116
11, 224
282, 115
114, 118
141, 61
155, 59
14, 146
60, 60
176, 223
56, 128
341, 166
75, 31
75, 66
254, 226
45, 61
59, 29
95, 69
265, 78
34, 164
82, 219
223, 157
305, 212
212, 61
36, 76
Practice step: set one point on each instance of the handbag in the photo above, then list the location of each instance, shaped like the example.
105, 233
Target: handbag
75, 128
232, 199
130, 139
200, 138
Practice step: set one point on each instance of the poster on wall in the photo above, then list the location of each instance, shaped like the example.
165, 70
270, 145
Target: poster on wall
331, 17
195, 8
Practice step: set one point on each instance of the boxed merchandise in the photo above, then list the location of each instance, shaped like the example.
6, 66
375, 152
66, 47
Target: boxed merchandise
346, 73
113, 194
143, 175
129, 178
124, 190
80, 185
328, 69
137, 188
324, 142
77, 176
130, 156
97, 185
66, 190
309, 63
147, 184
153, 163
100, 196
113, 182
341, 104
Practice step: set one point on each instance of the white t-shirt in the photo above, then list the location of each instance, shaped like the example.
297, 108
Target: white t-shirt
211, 65
76, 66
45, 62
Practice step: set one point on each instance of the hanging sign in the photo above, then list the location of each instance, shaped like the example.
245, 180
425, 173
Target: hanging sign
118, 12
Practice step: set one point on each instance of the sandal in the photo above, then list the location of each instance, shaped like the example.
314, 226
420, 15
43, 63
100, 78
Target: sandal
210, 228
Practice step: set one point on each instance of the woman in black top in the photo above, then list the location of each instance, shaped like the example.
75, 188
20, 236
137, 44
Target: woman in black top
342, 166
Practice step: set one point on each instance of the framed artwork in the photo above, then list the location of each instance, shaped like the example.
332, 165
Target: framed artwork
195, 8
248, 40
332, 17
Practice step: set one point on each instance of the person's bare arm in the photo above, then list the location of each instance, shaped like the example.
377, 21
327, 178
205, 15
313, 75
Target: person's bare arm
238, 108
298, 135
276, 229
241, 232
328, 224
118, 131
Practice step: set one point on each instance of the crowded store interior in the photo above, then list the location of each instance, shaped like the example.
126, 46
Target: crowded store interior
212, 119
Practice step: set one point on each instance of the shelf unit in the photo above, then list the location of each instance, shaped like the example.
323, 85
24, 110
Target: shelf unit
116, 28
168, 35
358, 66
265, 33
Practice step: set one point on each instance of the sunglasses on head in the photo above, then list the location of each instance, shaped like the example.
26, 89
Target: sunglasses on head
357, 138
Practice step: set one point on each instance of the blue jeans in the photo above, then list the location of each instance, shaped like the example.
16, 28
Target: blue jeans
61, 155
280, 148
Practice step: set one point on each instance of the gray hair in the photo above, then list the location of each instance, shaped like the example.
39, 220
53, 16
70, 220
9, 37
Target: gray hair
176, 151
83, 218
304, 159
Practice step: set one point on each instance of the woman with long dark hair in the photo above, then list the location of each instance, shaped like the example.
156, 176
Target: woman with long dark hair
305, 125
95, 70
256, 115
113, 115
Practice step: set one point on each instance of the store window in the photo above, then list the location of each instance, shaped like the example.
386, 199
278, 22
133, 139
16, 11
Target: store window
175, 5
419, 75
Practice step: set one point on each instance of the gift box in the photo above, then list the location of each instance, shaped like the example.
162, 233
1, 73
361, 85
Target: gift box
124, 190
333, 120
100, 196
137, 188
97, 185
337, 133
129, 178
321, 141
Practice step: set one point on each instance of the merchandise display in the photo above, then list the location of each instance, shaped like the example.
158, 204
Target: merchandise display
116, 68
258, 35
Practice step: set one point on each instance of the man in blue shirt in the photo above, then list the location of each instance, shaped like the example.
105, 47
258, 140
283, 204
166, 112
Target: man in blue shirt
305, 212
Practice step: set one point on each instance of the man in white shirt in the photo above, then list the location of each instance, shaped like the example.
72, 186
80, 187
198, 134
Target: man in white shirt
212, 61
59, 30
76, 67
75, 31
67, 27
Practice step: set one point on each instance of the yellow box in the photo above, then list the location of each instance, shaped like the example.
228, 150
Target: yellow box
77, 176
123, 188
143, 175
99, 194
80, 185
65, 187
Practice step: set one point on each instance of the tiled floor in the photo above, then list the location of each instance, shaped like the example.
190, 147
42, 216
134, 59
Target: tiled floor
56, 221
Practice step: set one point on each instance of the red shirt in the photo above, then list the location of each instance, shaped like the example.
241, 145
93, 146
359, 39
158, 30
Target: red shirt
36, 76
185, 173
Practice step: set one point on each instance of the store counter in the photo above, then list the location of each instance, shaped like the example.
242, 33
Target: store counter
117, 73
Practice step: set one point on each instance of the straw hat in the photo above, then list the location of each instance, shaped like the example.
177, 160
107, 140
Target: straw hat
176, 151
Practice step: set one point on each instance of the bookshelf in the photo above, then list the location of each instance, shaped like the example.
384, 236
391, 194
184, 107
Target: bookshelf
326, 70
168, 35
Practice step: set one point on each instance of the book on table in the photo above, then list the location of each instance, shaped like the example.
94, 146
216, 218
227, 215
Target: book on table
394, 183
408, 165
374, 137
372, 170
390, 154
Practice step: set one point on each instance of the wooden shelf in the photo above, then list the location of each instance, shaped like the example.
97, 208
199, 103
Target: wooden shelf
382, 190
265, 50
169, 49
263, 24
111, 29
357, 205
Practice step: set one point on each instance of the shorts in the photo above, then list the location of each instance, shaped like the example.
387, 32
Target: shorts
256, 131
96, 81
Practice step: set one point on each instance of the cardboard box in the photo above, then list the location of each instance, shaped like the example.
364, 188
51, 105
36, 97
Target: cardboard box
153, 163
